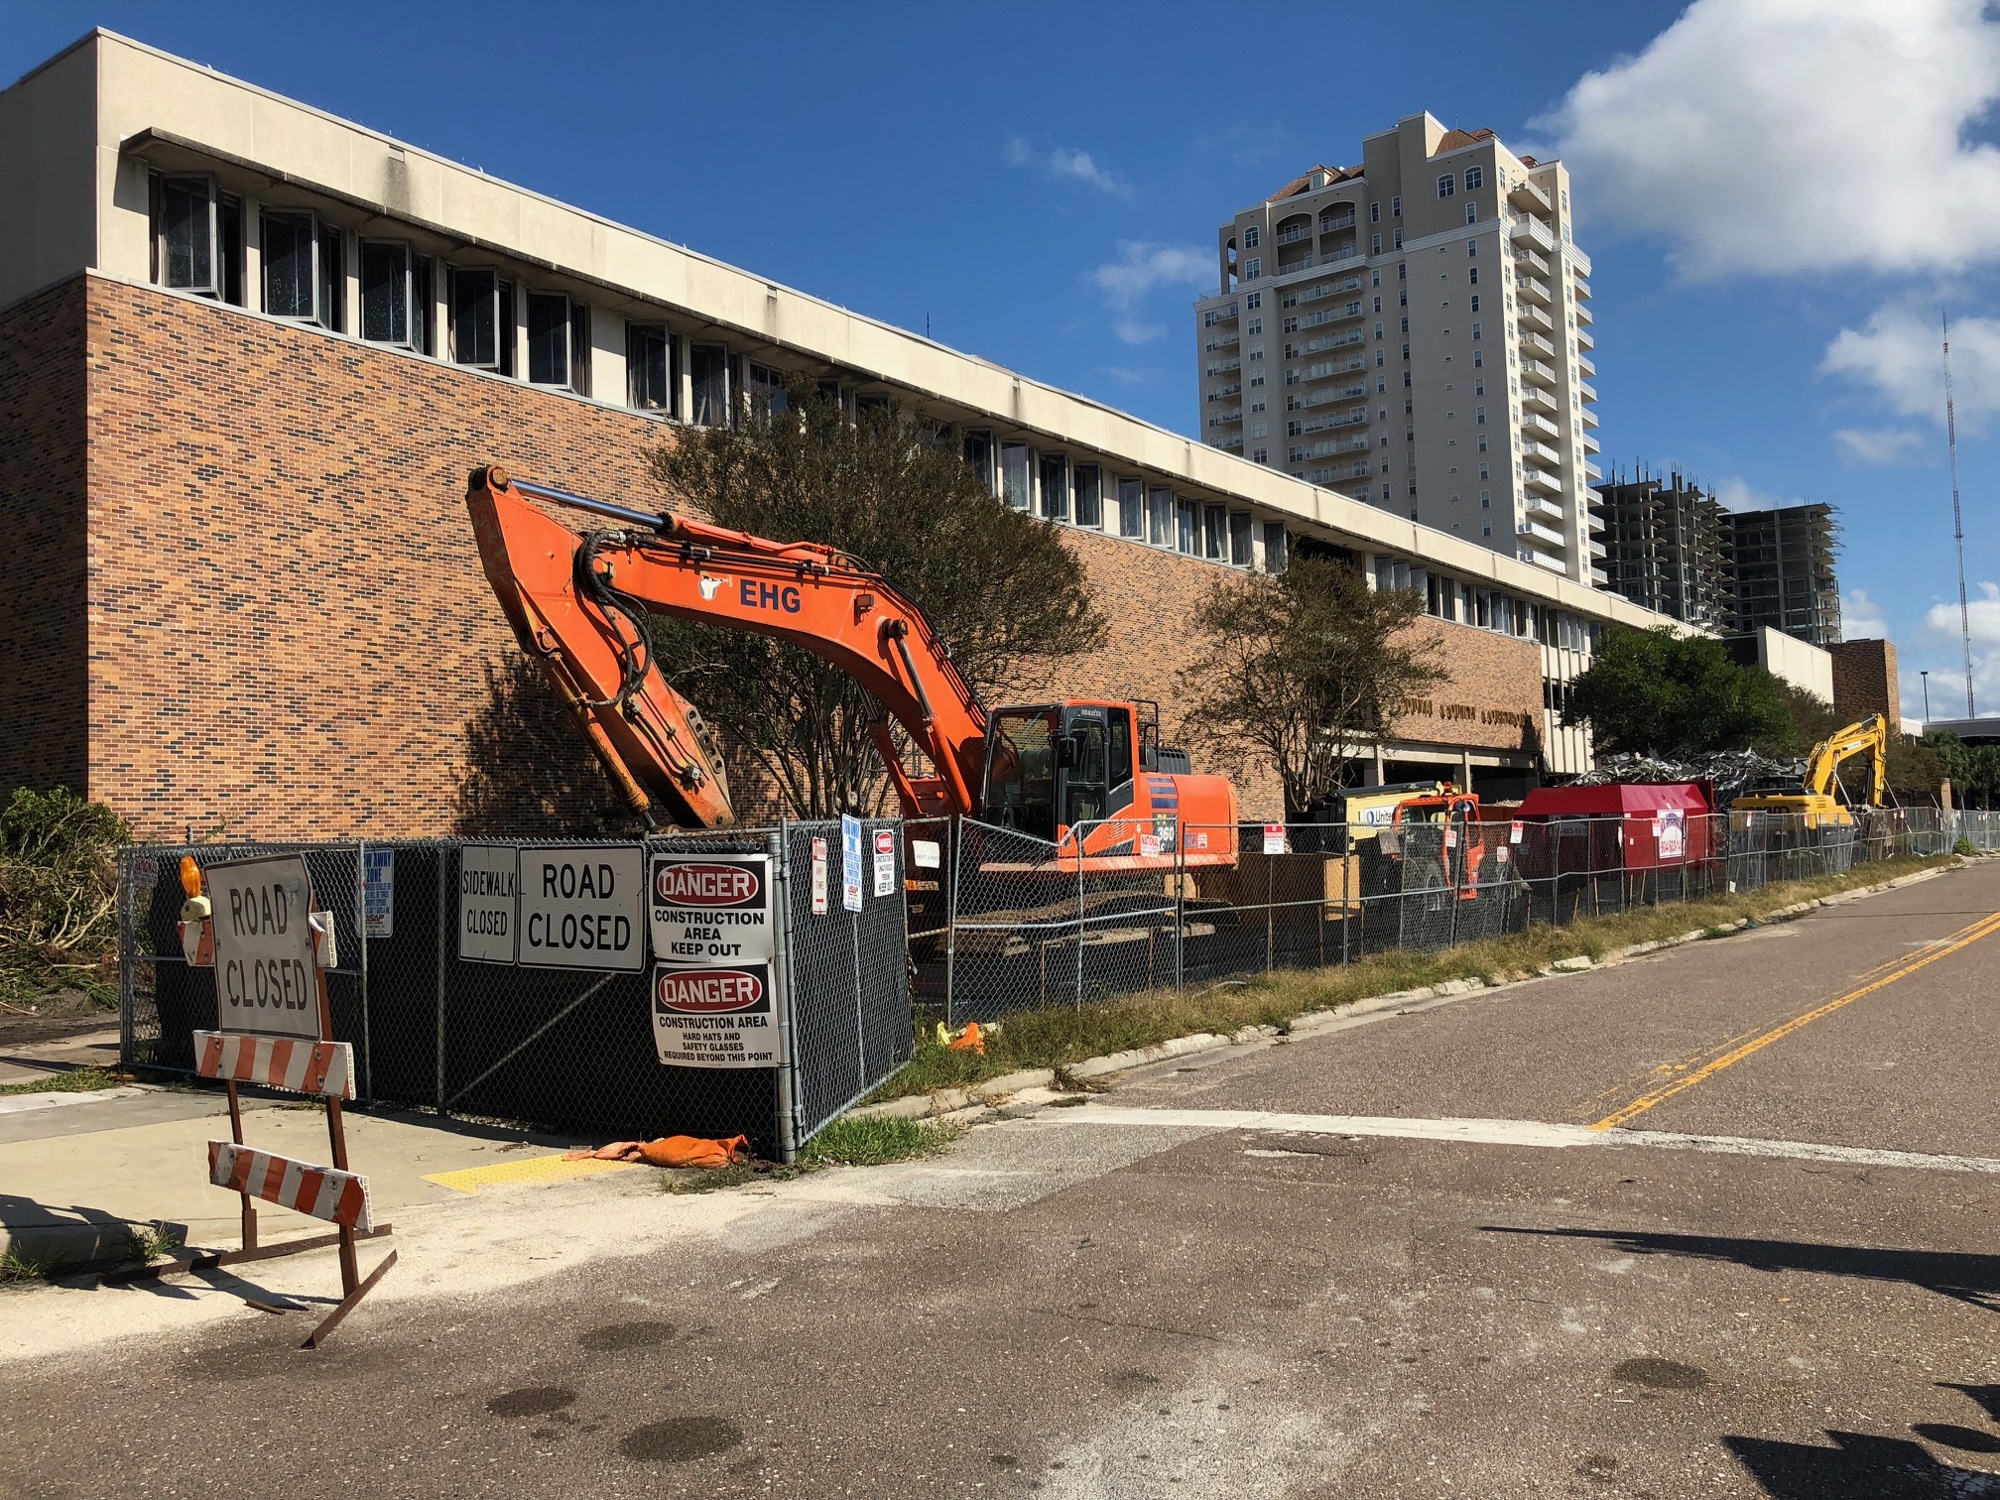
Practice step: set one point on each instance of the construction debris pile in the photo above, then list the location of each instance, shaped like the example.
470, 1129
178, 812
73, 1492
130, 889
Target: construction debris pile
1732, 772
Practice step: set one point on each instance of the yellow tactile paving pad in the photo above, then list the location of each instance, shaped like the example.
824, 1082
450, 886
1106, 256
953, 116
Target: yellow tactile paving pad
528, 1171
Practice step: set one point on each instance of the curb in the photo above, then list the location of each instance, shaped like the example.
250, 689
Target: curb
1030, 1089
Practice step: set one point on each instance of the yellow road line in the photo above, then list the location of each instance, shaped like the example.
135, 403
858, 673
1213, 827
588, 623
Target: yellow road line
1965, 937
528, 1170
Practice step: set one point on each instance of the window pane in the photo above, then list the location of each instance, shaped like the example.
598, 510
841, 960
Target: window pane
1239, 539
507, 328
288, 265
1214, 533
1274, 546
385, 292
423, 296
1089, 499
579, 348
708, 371
187, 233
548, 338
475, 334
646, 367
229, 218
1131, 508
1055, 487
979, 455
1014, 474
332, 279
1160, 517
1185, 538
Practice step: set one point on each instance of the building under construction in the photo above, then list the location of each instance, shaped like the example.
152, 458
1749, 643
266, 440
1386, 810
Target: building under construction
1666, 546
1674, 548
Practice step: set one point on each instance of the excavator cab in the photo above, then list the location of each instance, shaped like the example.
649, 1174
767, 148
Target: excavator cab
1052, 767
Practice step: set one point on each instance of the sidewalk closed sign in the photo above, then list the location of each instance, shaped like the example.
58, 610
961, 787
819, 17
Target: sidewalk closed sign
488, 878
264, 979
714, 936
582, 907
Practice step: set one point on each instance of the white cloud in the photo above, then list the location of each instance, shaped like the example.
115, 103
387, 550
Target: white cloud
1946, 649
1131, 375
1065, 164
1781, 136
1982, 617
1143, 267
1861, 617
1899, 355
1737, 493
1878, 445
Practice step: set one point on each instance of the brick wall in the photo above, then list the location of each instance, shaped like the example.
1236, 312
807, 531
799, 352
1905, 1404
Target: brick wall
291, 635
43, 518
1864, 680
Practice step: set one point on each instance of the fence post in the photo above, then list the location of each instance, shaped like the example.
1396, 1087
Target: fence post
955, 831
1180, 902
444, 854
778, 847
128, 960
361, 941
1080, 839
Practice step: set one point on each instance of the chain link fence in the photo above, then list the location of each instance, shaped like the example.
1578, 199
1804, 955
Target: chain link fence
1028, 925
572, 1049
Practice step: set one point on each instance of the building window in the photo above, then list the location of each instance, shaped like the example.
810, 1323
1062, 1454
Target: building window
1472, 276
1132, 508
1396, 206
1250, 237
186, 231
1447, 185
1256, 326
1254, 301
1016, 475
1240, 534
559, 345
1187, 538
1475, 333
1397, 233
978, 450
291, 275
1485, 497
1481, 415
1381, 358
1089, 487
1472, 213
1478, 359
1253, 268
1160, 517
1406, 324
1486, 530
1375, 213
1374, 244
1214, 533
332, 278
708, 383
652, 379
389, 293
1475, 302
1260, 455
1406, 354
1274, 546
1475, 178
1055, 487
764, 386
1472, 249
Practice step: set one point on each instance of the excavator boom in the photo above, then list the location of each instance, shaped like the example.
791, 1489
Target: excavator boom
579, 603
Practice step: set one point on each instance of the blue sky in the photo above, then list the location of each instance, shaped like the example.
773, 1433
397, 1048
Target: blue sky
1777, 203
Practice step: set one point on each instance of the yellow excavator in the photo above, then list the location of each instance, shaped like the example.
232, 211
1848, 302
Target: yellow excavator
1816, 803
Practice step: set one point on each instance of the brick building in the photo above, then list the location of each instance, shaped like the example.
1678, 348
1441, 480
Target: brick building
1864, 680
248, 351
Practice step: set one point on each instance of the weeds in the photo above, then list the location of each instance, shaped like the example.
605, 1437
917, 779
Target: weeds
17, 1266
75, 1081
148, 1242
873, 1142
1059, 1036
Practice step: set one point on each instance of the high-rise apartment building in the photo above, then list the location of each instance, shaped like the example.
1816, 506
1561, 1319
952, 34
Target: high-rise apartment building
1415, 332
1782, 572
1668, 541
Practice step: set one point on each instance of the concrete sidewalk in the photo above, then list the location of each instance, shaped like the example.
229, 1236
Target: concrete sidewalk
77, 1180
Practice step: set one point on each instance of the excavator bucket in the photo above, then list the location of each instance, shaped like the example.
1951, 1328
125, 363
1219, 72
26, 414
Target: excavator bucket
650, 738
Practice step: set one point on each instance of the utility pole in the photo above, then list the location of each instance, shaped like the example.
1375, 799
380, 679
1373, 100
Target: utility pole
1957, 515
1927, 697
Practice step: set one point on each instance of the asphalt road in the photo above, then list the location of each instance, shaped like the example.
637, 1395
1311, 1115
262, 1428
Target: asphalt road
1287, 1279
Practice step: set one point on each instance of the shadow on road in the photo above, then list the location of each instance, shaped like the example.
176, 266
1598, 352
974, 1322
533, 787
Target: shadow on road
1966, 1278
1857, 1467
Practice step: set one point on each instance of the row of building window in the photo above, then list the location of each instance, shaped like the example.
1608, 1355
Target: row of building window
1489, 609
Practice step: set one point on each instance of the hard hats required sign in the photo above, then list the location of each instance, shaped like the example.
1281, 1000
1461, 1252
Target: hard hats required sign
264, 980
711, 908
581, 906
716, 1016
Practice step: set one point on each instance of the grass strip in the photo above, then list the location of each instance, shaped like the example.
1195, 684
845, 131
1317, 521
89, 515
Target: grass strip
847, 1142
1056, 1036
75, 1081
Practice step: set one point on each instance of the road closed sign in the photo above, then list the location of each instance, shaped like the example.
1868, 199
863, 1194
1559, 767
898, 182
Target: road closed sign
582, 906
711, 908
716, 1016
264, 980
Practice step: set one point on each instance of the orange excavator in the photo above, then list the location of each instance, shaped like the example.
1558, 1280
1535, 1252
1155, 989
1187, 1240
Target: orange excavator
1088, 775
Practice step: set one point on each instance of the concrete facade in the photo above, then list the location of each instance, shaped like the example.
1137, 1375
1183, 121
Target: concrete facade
248, 597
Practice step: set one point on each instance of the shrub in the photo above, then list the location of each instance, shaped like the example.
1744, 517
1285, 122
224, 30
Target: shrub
58, 892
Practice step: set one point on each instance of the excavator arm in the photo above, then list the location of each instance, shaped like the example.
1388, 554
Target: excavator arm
579, 602
1870, 737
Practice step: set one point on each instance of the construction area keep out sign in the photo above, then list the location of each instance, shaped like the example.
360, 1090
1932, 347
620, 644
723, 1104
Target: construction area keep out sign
714, 938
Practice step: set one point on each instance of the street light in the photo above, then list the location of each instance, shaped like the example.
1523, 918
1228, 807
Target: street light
1927, 697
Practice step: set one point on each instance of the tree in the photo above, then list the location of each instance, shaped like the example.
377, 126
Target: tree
1304, 670
1001, 589
1658, 692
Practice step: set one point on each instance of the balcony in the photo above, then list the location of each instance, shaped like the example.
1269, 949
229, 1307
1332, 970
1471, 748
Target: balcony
1586, 364
1542, 453
1534, 396
1591, 444
1532, 233
1528, 195
1579, 262
1590, 421
1229, 417
1523, 256
1591, 473
1538, 371
1543, 481
1583, 338
1532, 317
1537, 425
1330, 225
1231, 444
1291, 234
1584, 317
1532, 289
1225, 368
1223, 393
1229, 342
1582, 288
1218, 314
1539, 535
1543, 508
1586, 392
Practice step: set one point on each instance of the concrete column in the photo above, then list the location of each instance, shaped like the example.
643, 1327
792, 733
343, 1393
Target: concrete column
1465, 770
253, 253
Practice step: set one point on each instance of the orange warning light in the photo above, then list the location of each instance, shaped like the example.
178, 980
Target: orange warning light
190, 876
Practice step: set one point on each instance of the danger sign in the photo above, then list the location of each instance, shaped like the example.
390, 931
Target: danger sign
719, 1017
711, 908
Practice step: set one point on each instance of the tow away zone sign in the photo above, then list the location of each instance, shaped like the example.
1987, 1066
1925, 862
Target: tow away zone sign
715, 937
